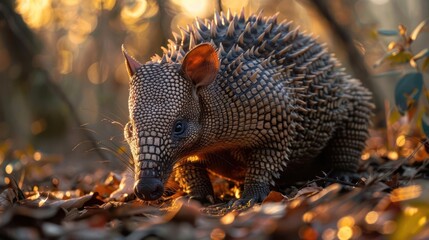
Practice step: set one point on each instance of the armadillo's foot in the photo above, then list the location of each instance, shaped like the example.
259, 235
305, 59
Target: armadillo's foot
346, 178
253, 193
195, 181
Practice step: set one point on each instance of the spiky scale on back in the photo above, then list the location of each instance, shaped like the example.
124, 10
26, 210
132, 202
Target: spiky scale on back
260, 100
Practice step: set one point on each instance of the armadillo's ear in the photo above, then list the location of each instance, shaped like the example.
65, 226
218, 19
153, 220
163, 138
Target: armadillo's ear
131, 64
201, 64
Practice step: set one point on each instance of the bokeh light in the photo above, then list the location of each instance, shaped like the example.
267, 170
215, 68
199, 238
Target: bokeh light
133, 11
97, 73
194, 7
371, 217
36, 13
9, 169
406, 193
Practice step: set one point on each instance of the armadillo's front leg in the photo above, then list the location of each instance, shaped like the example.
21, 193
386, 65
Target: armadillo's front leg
194, 180
263, 166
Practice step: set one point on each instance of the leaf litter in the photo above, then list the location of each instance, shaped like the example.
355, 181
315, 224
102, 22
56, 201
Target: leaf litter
390, 202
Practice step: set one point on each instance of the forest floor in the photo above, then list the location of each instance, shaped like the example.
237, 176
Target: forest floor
390, 202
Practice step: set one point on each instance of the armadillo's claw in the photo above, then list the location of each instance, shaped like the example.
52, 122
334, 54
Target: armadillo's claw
241, 204
253, 193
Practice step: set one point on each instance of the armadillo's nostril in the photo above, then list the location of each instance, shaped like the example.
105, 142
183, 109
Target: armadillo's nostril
148, 189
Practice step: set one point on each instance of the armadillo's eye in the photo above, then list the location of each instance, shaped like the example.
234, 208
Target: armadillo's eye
179, 127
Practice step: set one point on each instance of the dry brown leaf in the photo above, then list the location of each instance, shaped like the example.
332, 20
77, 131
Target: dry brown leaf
125, 187
308, 191
274, 196
184, 211
43, 200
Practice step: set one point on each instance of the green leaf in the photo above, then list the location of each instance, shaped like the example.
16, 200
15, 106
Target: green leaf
425, 124
394, 116
408, 91
417, 30
388, 32
410, 225
400, 57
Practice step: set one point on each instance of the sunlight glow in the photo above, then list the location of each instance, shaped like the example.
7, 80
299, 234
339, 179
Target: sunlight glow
131, 13
400, 141
307, 217
8, 169
236, 191
328, 234
295, 203
371, 217
193, 7
43, 201
236, 6
228, 218
65, 65
96, 74
103, 4
406, 193
36, 13
37, 156
346, 221
217, 234
410, 211
392, 155
365, 156
6, 180
345, 233
193, 158
379, 2
422, 221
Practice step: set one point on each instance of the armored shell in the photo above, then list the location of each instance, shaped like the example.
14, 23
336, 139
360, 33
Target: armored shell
256, 101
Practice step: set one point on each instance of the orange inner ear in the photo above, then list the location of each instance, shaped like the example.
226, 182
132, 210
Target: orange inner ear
201, 64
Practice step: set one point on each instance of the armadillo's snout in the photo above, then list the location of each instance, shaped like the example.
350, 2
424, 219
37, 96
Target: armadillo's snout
148, 189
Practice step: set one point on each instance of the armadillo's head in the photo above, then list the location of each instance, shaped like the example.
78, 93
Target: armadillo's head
165, 113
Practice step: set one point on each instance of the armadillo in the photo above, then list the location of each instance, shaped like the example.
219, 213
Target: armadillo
252, 100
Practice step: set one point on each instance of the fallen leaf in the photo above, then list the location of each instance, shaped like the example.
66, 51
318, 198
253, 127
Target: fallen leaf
126, 186
274, 196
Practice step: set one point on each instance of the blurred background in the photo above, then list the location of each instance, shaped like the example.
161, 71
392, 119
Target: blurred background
64, 86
